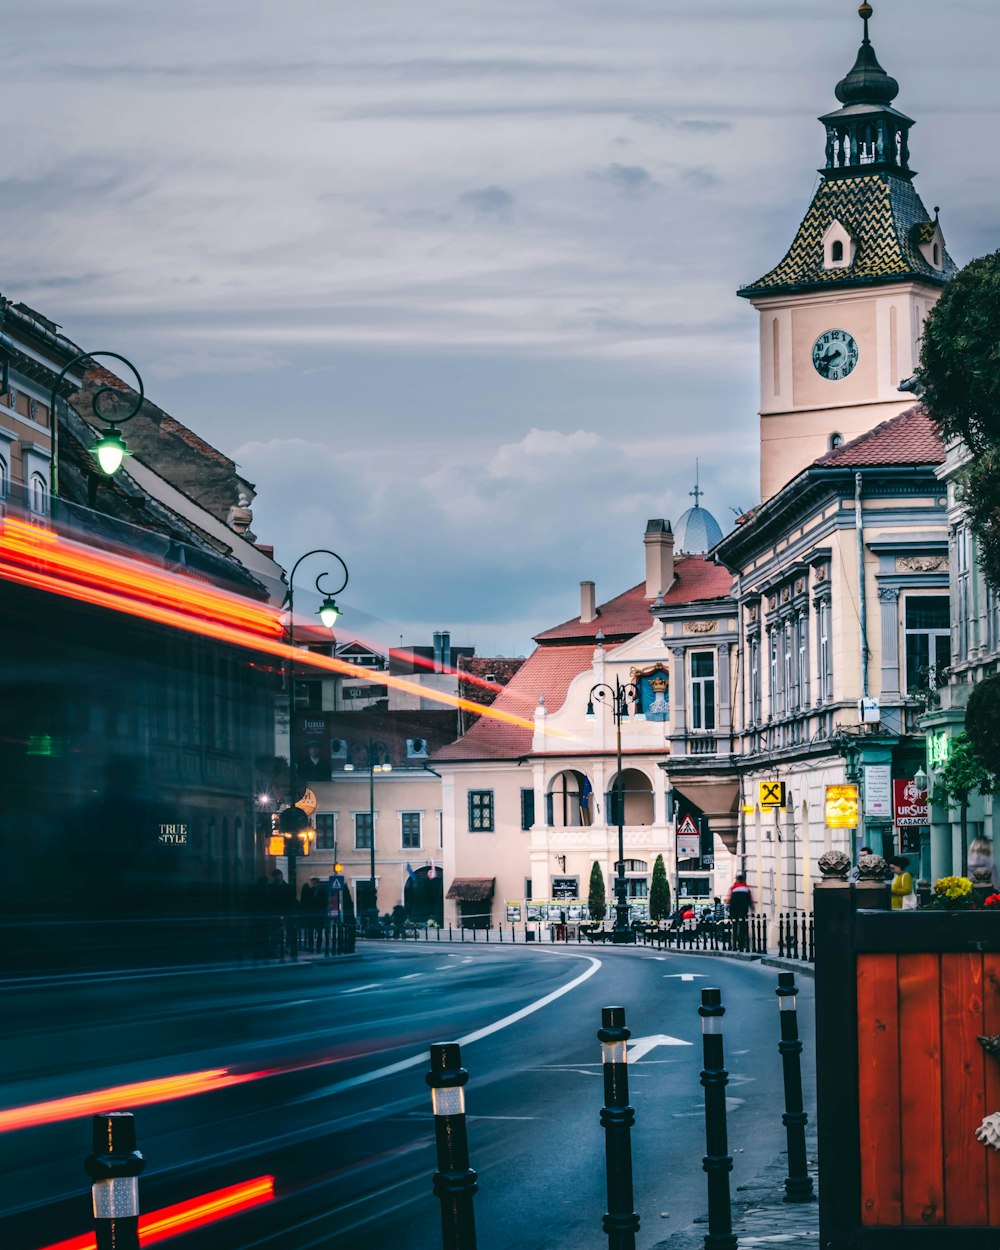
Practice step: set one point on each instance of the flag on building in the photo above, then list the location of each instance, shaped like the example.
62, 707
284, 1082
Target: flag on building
585, 794
412, 874
431, 872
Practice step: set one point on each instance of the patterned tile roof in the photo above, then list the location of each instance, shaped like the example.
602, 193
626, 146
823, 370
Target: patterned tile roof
910, 438
886, 218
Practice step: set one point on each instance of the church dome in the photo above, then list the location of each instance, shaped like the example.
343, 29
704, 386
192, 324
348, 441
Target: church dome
696, 532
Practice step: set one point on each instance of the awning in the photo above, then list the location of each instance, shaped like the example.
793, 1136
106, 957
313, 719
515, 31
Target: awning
471, 889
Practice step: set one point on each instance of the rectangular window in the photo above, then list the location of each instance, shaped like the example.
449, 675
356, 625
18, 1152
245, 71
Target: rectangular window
755, 680
409, 823
965, 631
480, 811
362, 831
791, 691
928, 641
527, 808
326, 831
703, 690
825, 656
803, 632
776, 704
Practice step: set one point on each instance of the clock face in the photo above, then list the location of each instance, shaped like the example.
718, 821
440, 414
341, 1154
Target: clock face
835, 354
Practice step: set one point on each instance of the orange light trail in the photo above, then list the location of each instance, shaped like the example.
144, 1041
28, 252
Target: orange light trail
138, 1094
42, 560
184, 1216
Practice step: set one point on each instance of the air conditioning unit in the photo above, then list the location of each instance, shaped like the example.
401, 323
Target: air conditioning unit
416, 748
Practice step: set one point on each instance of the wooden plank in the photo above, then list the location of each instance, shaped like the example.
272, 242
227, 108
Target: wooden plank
920, 1101
991, 1026
963, 1089
879, 1091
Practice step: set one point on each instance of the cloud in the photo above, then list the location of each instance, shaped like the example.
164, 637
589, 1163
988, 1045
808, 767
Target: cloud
490, 202
630, 180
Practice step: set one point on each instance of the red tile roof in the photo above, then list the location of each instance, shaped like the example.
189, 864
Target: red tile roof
910, 438
568, 650
695, 578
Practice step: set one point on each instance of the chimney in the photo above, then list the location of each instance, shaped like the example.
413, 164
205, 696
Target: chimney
588, 602
445, 650
437, 651
659, 543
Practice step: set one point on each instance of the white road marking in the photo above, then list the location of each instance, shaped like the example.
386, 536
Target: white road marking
373, 985
445, 968
683, 976
410, 975
640, 1046
365, 1078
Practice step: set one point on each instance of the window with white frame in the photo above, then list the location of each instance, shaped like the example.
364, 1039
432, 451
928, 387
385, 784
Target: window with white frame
825, 653
963, 584
38, 495
802, 630
928, 641
703, 690
326, 831
362, 831
409, 825
754, 679
789, 657
775, 674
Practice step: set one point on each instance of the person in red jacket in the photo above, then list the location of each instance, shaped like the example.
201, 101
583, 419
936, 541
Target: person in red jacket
740, 902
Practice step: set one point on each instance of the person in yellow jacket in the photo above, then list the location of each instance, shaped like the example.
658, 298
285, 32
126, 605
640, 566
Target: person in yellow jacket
902, 883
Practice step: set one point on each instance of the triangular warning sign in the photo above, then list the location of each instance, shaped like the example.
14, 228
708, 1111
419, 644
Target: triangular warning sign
687, 825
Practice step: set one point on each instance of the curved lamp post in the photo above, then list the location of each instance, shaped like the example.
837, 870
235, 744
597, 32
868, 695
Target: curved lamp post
328, 612
617, 698
111, 449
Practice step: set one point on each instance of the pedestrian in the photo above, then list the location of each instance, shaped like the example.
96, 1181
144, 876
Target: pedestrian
740, 902
981, 856
318, 914
903, 897
855, 873
719, 909
277, 913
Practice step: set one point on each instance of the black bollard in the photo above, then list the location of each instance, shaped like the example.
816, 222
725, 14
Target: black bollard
798, 1183
114, 1167
718, 1162
620, 1221
454, 1181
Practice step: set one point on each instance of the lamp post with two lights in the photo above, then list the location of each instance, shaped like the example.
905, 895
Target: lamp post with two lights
617, 697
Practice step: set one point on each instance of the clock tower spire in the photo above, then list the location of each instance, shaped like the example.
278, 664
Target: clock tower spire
841, 314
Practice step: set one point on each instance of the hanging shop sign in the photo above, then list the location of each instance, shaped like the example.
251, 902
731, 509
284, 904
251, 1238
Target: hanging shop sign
910, 806
771, 794
878, 791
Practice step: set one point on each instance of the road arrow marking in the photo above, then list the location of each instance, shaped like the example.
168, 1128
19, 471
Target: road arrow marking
683, 976
640, 1046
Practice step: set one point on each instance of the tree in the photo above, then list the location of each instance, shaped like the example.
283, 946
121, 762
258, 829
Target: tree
960, 376
982, 718
963, 773
960, 356
597, 898
659, 892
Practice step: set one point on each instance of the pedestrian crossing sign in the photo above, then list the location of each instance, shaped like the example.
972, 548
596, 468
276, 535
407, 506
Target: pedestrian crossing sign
771, 794
687, 826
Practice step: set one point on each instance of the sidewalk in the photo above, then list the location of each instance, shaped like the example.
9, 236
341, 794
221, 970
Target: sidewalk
760, 1218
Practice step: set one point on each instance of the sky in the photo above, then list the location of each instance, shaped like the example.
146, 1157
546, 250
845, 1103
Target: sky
454, 282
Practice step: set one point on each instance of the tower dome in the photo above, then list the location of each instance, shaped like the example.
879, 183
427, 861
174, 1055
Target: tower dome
696, 532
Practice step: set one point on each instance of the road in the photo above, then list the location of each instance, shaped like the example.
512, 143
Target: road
317, 1079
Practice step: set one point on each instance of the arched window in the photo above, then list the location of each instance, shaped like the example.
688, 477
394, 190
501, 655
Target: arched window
837, 250
39, 495
836, 440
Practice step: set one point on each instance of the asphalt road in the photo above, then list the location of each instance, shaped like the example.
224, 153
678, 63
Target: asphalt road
319, 1082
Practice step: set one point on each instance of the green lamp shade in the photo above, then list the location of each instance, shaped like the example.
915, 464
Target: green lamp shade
110, 451
328, 612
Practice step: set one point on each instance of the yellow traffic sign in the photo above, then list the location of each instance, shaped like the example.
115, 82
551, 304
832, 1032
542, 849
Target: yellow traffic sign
771, 794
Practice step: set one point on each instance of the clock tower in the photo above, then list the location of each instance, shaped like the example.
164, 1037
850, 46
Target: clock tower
841, 315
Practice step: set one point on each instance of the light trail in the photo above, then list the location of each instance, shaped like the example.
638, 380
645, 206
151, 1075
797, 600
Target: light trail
184, 1216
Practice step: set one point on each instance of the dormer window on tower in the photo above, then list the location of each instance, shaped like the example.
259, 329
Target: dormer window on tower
839, 247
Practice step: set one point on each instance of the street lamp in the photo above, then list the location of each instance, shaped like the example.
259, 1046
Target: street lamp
378, 762
289, 823
617, 697
111, 449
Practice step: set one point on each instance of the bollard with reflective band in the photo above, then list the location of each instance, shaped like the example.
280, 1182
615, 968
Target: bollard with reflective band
798, 1183
620, 1221
454, 1181
114, 1167
718, 1162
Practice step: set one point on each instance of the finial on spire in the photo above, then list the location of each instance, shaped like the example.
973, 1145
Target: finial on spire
697, 492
